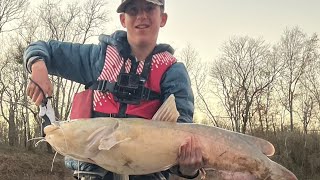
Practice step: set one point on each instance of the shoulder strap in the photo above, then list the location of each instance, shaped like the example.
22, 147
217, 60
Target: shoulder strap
119, 40
147, 64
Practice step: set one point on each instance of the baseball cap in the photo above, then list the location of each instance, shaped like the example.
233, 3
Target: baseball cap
125, 2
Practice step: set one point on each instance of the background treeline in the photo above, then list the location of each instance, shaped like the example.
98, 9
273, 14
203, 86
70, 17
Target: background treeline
267, 90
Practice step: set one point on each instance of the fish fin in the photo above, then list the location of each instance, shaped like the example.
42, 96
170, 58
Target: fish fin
280, 172
93, 141
265, 146
107, 143
167, 111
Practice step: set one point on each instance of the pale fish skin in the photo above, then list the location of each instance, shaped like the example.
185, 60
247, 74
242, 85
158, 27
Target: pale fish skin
135, 146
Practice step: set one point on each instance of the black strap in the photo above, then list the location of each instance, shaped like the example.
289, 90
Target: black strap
122, 110
101, 114
148, 94
134, 64
147, 67
186, 176
103, 86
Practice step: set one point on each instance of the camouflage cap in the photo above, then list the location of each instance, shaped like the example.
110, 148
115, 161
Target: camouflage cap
125, 2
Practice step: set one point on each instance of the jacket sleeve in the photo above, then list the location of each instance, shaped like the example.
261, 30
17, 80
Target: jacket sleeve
176, 81
77, 62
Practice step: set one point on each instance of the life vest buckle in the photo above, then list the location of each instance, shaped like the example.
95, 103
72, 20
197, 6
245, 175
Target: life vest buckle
105, 86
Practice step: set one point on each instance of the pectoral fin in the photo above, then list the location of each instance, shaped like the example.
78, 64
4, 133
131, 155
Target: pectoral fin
93, 141
107, 143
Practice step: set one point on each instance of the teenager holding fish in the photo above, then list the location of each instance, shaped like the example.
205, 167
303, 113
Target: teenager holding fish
127, 75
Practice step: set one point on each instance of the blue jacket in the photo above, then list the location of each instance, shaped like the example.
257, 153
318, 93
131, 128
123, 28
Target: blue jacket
83, 63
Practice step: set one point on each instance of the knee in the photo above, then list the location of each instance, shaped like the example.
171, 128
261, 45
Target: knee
82, 166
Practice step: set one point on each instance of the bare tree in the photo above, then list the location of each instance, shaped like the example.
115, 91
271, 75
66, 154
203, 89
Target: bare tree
296, 51
308, 90
198, 72
190, 57
73, 21
262, 107
245, 69
76, 22
10, 95
93, 18
25, 108
10, 11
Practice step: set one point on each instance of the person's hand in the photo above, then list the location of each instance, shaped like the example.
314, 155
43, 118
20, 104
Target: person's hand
190, 157
40, 76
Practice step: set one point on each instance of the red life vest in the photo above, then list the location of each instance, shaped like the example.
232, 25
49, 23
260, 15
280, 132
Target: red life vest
105, 103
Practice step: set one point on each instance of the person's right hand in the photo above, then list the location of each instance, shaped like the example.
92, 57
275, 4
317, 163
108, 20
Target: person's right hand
40, 76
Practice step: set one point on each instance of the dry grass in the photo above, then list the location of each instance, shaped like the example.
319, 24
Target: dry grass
16, 164
298, 152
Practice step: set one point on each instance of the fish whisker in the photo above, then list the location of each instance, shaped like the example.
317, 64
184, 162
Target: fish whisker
54, 157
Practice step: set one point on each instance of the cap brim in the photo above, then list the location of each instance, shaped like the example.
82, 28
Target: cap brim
155, 2
123, 5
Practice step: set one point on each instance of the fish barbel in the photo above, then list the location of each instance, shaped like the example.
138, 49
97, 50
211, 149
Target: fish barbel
136, 146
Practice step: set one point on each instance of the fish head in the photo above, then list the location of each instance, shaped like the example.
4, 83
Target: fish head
57, 139
80, 139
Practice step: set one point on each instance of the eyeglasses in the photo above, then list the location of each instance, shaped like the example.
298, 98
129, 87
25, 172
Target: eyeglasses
133, 9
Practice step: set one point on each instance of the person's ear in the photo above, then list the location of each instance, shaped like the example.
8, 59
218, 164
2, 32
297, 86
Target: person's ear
123, 20
164, 17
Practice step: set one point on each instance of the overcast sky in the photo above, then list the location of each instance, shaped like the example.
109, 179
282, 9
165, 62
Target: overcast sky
206, 24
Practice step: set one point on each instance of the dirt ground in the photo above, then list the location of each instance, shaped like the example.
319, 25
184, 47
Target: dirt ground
17, 164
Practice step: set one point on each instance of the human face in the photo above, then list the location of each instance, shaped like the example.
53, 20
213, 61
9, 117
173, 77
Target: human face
143, 20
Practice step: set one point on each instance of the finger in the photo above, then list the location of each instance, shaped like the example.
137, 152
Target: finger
198, 157
197, 146
197, 154
30, 89
50, 90
182, 152
35, 94
39, 99
189, 148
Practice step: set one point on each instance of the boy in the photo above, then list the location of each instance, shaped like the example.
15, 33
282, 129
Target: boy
129, 75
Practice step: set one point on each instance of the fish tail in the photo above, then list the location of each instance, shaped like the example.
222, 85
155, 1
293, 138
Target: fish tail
281, 173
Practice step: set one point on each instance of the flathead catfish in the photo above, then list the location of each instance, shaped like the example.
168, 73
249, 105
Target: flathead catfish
135, 146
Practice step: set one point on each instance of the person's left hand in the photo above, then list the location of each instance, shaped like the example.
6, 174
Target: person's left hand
190, 157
